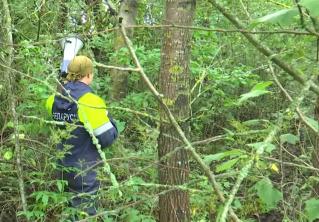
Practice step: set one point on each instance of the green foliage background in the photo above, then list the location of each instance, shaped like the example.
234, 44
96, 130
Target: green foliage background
233, 98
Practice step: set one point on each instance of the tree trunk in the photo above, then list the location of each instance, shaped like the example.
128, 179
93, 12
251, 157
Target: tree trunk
128, 12
174, 84
6, 60
315, 155
8, 76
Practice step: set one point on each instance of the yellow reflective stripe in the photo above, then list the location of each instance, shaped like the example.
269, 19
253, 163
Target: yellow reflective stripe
49, 104
92, 110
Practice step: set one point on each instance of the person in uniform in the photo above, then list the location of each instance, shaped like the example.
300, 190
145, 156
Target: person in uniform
82, 111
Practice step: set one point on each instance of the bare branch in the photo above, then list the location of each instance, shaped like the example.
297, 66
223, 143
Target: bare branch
299, 112
292, 164
116, 67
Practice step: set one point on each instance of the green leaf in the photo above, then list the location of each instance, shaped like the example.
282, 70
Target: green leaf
312, 6
10, 124
54, 197
31, 214
120, 125
135, 181
59, 184
268, 195
283, 17
45, 199
311, 209
210, 158
313, 123
38, 195
262, 85
8, 155
218, 156
255, 122
258, 90
133, 215
289, 138
260, 146
226, 165
252, 94
237, 204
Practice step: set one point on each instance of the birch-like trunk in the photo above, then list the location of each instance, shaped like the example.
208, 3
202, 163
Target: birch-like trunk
128, 12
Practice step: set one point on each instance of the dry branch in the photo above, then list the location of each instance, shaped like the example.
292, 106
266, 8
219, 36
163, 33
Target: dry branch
116, 67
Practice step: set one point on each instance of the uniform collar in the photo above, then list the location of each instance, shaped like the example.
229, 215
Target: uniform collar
76, 89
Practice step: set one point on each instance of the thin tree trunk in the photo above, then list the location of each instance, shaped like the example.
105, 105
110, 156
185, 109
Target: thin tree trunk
174, 84
128, 12
315, 155
6, 35
5, 59
63, 16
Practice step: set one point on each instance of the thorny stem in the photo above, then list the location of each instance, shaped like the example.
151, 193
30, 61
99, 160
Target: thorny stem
18, 153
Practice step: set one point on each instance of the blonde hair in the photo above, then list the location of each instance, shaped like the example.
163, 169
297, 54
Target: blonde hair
79, 67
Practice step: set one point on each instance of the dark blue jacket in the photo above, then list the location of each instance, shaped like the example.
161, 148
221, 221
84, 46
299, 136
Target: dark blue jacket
90, 110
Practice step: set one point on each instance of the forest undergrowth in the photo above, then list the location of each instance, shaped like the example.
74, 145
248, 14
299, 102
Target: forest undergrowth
251, 124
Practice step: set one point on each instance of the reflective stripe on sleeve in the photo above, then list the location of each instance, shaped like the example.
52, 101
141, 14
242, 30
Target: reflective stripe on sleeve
105, 127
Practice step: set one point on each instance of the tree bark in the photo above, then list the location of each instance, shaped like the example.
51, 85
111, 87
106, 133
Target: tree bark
6, 37
315, 155
5, 59
128, 12
174, 84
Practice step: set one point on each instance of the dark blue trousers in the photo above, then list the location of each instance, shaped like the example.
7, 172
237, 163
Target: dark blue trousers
84, 186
